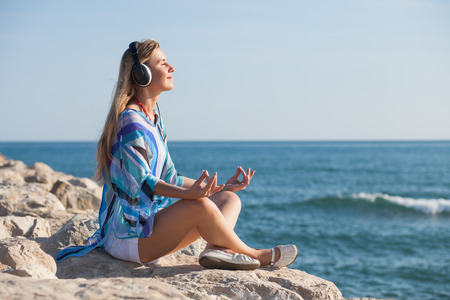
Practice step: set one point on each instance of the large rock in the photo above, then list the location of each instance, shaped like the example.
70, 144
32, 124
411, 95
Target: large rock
86, 183
39, 173
13, 287
183, 272
13, 165
41, 168
198, 283
75, 232
26, 259
11, 177
42, 173
17, 180
27, 199
31, 227
57, 219
77, 197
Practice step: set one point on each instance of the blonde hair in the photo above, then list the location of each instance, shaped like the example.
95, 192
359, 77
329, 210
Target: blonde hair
125, 90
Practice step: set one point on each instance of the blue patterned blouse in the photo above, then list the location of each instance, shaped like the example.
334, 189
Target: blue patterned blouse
140, 159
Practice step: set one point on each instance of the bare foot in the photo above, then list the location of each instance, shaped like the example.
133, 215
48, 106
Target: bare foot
263, 255
266, 256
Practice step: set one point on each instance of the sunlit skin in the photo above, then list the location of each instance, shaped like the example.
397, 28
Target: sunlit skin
205, 209
162, 80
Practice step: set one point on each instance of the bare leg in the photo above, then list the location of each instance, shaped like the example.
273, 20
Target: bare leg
229, 205
177, 223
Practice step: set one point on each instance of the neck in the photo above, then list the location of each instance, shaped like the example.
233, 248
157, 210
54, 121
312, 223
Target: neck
147, 99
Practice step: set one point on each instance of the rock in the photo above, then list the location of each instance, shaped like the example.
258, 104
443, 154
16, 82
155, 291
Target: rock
57, 219
187, 255
75, 232
17, 171
183, 272
32, 270
110, 288
25, 258
41, 168
76, 197
13, 165
31, 227
10, 177
106, 264
4, 268
40, 173
37, 179
85, 183
28, 199
264, 283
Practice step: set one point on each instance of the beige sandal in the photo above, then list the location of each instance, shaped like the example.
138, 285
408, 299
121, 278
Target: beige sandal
217, 259
288, 254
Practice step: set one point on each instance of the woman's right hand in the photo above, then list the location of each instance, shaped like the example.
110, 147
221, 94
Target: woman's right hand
203, 187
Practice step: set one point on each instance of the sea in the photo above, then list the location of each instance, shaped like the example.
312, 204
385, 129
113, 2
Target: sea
371, 216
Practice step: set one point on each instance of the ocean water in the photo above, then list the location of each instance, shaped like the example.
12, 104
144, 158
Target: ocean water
372, 217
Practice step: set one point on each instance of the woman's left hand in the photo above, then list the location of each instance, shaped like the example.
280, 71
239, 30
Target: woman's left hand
234, 184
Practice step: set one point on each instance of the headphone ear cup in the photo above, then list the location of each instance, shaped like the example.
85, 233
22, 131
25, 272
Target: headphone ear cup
141, 75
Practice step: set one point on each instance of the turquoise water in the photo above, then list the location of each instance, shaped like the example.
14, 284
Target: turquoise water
372, 217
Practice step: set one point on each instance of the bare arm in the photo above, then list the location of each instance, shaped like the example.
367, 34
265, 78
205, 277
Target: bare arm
188, 182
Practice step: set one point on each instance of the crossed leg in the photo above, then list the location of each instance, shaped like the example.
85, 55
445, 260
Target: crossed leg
229, 205
183, 222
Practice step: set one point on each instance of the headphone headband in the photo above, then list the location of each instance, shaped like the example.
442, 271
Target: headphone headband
133, 47
134, 51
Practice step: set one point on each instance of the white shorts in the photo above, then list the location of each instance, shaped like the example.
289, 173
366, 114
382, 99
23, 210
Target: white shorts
124, 249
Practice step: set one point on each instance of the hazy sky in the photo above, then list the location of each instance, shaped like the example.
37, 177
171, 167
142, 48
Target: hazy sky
244, 70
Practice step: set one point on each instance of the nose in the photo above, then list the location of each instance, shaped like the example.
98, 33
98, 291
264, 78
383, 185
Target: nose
171, 69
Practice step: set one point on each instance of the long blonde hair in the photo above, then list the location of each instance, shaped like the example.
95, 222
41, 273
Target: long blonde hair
125, 90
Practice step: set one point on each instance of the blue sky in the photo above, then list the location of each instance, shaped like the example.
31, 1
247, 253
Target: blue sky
244, 70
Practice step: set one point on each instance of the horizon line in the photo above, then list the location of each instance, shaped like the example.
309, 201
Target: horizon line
246, 141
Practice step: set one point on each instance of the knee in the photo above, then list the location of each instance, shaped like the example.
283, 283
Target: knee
204, 206
232, 199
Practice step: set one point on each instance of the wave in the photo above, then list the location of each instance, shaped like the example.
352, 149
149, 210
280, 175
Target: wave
428, 206
379, 202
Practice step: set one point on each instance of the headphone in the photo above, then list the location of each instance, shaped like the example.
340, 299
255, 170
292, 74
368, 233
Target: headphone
140, 73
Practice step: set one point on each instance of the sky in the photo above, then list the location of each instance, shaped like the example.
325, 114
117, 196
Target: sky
244, 70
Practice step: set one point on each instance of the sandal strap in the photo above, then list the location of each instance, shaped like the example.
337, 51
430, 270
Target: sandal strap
273, 257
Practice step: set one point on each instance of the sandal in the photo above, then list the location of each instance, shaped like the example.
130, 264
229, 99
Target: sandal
217, 259
288, 254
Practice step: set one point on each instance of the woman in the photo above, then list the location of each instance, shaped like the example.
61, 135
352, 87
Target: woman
137, 220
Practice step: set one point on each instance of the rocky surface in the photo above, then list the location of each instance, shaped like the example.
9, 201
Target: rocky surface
13, 287
27, 226
43, 211
23, 257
